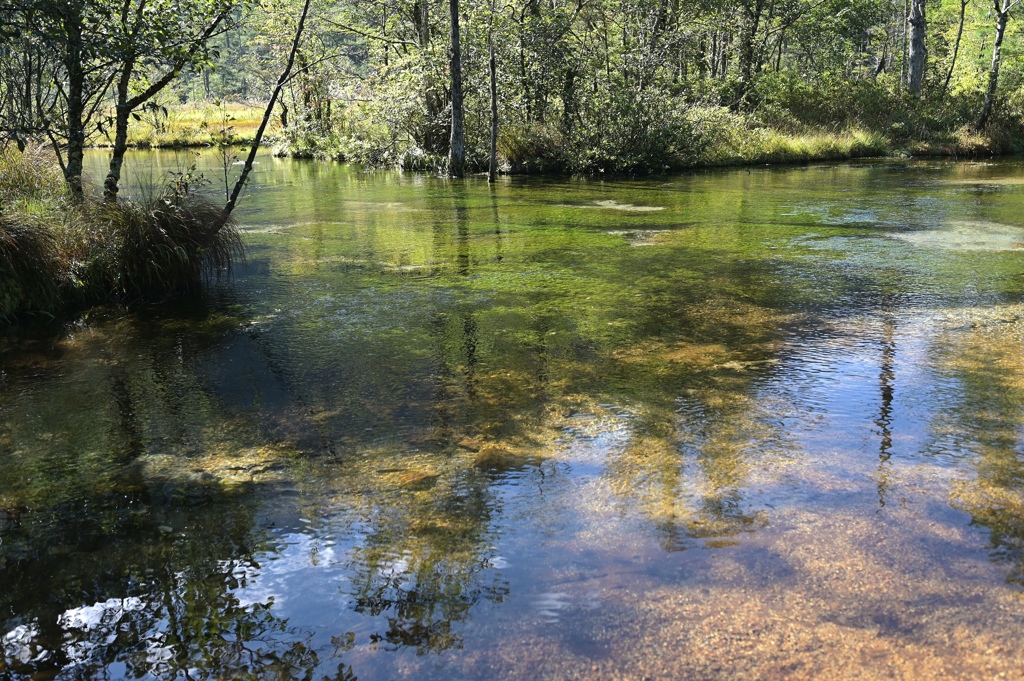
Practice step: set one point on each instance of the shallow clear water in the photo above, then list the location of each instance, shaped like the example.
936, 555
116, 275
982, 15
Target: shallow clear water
722, 425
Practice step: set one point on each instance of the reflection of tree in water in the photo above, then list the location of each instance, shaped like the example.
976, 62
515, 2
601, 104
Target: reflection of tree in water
426, 563
686, 466
703, 423
94, 578
689, 477
984, 417
151, 603
887, 388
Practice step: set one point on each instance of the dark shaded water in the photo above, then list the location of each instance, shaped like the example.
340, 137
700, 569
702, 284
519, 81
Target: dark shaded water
762, 424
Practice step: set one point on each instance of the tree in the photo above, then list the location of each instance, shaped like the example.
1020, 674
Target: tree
917, 54
161, 37
457, 148
71, 53
1002, 11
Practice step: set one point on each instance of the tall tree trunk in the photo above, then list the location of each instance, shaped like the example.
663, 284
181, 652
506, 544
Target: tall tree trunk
956, 45
435, 133
457, 149
76, 100
570, 107
492, 167
748, 49
917, 54
1002, 10
903, 44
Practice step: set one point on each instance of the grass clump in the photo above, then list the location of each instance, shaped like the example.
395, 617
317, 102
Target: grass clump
33, 204
58, 254
161, 244
727, 138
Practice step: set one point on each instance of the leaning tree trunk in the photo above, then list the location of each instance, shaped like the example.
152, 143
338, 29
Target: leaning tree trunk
956, 45
1002, 17
917, 54
281, 82
457, 150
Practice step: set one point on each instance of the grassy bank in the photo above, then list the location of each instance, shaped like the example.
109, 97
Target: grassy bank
196, 124
790, 125
58, 255
784, 118
536, 149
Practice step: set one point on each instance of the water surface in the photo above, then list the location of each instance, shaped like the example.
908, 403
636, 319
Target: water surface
732, 424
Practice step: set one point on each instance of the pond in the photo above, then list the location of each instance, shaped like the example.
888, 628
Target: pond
731, 424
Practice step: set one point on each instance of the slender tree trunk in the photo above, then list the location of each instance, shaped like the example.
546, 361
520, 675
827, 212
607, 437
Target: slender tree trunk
435, 132
570, 109
121, 113
748, 49
281, 82
492, 168
76, 102
956, 45
903, 44
457, 149
880, 66
1002, 17
918, 52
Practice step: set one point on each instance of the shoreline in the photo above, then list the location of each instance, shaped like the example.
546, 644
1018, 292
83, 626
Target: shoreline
789, 150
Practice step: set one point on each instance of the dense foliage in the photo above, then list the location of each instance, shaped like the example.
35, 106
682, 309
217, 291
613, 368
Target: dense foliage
582, 85
629, 85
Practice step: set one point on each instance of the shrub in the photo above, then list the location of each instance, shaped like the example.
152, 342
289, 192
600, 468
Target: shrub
531, 148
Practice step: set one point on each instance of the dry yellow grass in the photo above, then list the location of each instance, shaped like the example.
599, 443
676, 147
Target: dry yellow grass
192, 125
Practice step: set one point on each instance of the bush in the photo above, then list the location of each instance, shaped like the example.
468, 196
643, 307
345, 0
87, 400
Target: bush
531, 148
645, 130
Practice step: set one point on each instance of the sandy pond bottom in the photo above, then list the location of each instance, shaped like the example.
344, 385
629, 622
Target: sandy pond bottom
858, 591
